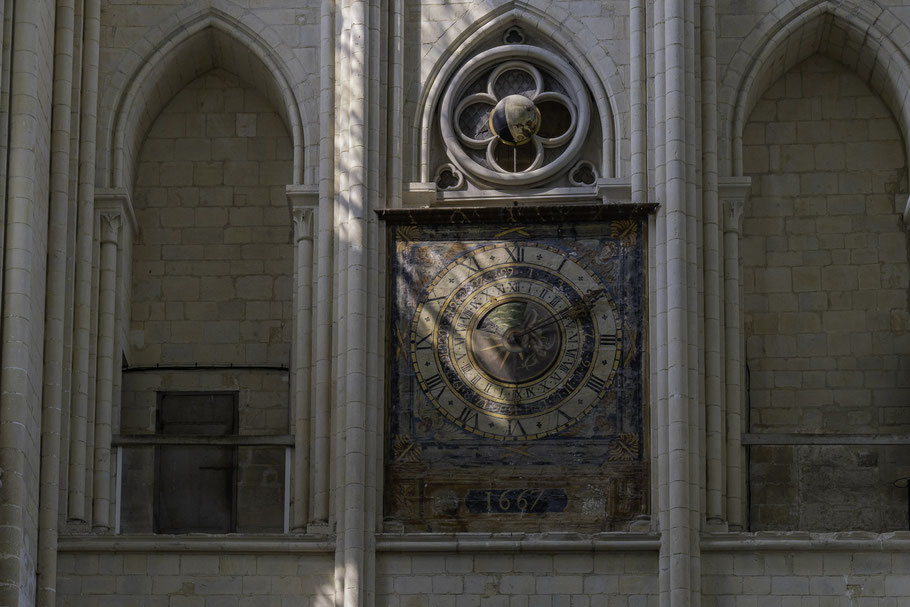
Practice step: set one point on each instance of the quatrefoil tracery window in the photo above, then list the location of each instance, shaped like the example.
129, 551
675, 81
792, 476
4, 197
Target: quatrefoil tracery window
515, 115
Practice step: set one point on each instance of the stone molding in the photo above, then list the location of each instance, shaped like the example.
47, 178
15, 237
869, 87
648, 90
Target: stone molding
465, 543
605, 190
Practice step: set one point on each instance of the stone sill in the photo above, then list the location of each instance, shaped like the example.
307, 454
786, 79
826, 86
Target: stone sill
803, 541
794, 541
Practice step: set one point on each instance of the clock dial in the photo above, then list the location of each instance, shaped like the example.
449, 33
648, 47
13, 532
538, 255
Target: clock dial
515, 341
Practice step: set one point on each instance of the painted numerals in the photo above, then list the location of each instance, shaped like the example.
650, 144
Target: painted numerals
515, 341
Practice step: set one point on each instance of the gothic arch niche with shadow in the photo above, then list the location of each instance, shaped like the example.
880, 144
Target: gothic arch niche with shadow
212, 270
207, 41
850, 32
825, 276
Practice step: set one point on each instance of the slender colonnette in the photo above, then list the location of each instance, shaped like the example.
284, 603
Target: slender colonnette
76, 502
677, 252
55, 323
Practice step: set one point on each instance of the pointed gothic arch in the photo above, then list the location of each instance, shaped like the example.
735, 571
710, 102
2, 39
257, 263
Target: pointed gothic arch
852, 33
198, 43
596, 68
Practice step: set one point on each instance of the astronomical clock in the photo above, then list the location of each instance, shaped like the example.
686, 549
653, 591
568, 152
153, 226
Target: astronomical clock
516, 392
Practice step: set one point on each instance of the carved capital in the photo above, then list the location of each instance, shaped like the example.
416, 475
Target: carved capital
304, 218
110, 227
733, 215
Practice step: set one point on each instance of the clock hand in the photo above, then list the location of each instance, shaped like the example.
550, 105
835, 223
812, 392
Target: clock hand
493, 347
580, 307
488, 337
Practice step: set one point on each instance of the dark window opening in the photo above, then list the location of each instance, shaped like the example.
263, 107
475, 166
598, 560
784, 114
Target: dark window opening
196, 484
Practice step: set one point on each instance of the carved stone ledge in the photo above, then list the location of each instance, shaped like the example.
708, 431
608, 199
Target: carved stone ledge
306, 195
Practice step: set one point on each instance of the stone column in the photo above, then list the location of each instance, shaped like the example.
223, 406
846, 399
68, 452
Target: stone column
22, 297
638, 93
660, 389
322, 342
733, 330
679, 529
107, 358
84, 271
303, 277
55, 314
715, 452
354, 200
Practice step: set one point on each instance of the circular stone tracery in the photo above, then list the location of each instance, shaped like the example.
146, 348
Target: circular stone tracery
527, 95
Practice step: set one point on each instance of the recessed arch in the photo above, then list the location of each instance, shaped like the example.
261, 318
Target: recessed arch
596, 67
849, 32
200, 43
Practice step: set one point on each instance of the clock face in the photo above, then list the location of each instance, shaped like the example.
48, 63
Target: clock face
515, 341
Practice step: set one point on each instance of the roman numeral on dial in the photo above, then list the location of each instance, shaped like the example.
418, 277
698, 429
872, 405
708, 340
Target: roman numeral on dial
516, 254
434, 382
423, 343
608, 339
468, 417
597, 384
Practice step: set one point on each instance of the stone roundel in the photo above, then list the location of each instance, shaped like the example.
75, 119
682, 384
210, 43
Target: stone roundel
512, 114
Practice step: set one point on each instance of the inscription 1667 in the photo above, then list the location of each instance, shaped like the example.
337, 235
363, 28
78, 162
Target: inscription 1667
516, 501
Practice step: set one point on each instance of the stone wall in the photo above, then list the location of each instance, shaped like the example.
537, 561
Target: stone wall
162, 579
825, 283
506, 580
806, 579
766, 578
212, 268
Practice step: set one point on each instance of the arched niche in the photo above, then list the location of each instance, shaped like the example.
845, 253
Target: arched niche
595, 68
852, 33
208, 41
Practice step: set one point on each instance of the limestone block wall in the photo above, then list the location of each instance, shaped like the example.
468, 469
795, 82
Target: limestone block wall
162, 579
529, 579
806, 579
825, 279
212, 269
